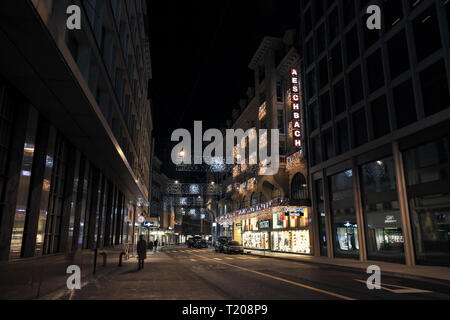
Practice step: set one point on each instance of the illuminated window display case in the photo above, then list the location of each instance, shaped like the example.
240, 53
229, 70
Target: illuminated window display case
256, 240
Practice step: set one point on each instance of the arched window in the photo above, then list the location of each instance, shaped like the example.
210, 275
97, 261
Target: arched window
299, 188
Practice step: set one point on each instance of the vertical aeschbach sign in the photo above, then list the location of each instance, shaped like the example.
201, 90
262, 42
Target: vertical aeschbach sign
295, 98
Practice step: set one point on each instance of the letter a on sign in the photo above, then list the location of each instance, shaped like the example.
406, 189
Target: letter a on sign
74, 20
374, 21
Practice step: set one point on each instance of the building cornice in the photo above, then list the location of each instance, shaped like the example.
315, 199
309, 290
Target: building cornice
291, 60
261, 51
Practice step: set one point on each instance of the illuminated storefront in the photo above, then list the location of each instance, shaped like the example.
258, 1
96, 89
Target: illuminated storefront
276, 228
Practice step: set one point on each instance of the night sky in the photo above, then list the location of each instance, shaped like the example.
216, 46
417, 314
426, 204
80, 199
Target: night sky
200, 54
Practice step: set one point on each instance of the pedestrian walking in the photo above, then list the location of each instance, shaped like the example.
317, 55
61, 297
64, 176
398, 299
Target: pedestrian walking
155, 244
141, 251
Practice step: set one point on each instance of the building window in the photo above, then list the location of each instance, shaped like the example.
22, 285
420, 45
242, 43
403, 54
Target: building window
325, 107
405, 105
323, 72
320, 35
398, 54
356, 86
328, 144
299, 187
279, 92
360, 127
24, 185
339, 97
336, 60
313, 117
435, 88
280, 121
316, 153
6, 118
427, 173
393, 13
382, 216
426, 33
375, 71
56, 198
380, 117
342, 131
333, 24
312, 85
352, 45
343, 216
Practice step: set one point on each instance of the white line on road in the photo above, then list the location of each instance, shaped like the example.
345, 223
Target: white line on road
402, 290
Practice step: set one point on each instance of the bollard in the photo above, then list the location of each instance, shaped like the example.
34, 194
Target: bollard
120, 258
103, 254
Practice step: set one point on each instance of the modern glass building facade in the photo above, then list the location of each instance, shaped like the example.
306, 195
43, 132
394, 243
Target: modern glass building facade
378, 129
75, 126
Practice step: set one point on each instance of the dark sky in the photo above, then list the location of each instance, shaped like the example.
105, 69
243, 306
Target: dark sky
200, 54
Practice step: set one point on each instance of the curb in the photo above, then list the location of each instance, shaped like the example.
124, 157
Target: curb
351, 268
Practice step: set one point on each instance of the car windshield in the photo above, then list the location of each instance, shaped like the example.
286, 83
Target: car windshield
234, 243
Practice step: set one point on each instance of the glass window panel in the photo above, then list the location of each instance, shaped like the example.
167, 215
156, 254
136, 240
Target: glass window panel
382, 216
427, 172
343, 217
24, 183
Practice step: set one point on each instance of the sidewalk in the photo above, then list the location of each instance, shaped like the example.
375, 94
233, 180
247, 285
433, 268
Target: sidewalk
399, 270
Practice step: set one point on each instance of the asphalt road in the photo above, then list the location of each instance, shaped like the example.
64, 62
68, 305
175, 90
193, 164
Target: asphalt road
202, 274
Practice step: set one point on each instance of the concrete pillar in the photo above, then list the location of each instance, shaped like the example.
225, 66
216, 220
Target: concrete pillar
327, 209
410, 258
359, 212
315, 219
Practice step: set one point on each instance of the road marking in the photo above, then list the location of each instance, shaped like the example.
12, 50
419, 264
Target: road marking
285, 280
217, 259
228, 258
193, 260
402, 290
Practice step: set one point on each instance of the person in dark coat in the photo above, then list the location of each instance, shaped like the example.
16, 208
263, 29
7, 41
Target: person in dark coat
155, 244
141, 251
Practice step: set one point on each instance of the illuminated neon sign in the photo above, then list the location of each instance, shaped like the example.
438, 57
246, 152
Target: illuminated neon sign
295, 98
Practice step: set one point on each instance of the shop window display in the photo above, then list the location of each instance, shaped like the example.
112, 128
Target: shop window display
296, 241
280, 221
255, 240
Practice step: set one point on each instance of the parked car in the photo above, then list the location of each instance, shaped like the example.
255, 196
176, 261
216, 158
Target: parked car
200, 243
220, 242
233, 247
